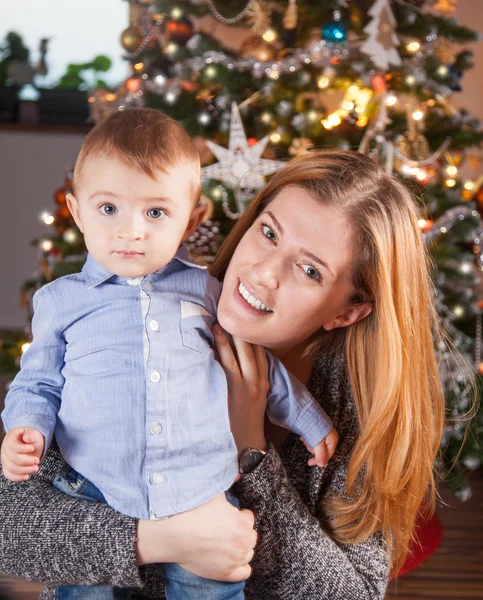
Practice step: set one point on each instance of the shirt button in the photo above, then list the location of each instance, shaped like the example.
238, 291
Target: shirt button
155, 377
148, 286
154, 325
155, 429
157, 478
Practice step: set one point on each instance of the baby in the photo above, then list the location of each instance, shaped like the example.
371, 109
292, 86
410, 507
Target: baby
121, 367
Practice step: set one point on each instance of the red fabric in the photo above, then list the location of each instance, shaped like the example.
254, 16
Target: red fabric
429, 535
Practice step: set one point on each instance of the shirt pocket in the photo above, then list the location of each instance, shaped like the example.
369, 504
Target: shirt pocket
196, 324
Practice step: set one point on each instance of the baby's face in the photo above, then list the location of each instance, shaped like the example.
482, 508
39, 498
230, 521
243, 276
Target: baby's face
133, 224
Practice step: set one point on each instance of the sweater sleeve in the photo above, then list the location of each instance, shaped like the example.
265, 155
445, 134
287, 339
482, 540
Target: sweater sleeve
49, 537
295, 553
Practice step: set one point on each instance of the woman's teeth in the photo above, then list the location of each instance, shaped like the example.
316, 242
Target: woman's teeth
251, 300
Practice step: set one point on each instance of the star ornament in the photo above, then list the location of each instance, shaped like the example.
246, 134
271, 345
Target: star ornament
240, 166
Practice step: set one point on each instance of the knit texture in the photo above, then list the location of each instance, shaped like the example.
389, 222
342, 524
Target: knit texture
50, 537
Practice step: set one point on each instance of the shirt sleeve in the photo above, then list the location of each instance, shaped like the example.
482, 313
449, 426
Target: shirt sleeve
52, 538
34, 396
292, 406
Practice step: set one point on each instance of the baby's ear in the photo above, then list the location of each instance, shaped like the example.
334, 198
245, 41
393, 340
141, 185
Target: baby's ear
196, 218
73, 206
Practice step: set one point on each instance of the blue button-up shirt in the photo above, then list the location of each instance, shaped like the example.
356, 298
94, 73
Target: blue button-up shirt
123, 373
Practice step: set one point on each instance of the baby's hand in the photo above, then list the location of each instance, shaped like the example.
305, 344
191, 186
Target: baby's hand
22, 450
324, 450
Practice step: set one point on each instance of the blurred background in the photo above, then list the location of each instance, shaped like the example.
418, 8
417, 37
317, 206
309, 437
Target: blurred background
400, 80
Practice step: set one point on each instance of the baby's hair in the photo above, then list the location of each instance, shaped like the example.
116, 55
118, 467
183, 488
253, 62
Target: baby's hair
143, 138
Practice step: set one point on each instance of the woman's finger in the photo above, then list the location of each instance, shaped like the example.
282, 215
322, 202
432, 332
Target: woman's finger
262, 361
226, 356
246, 360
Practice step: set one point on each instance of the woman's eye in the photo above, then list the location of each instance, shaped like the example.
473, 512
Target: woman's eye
269, 233
156, 213
108, 209
311, 272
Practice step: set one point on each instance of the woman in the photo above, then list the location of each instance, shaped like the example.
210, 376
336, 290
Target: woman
332, 248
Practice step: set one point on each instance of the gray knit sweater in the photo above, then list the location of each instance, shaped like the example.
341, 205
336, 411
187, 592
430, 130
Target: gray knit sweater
49, 537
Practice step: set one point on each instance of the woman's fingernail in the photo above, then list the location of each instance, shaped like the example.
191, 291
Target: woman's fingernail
217, 329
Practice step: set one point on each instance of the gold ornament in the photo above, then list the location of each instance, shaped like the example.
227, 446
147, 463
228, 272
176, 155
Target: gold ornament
256, 47
130, 38
258, 16
300, 146
290, 16
210, 206
413, 147
445, 7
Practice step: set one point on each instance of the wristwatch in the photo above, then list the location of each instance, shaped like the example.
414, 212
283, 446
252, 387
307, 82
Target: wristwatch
250, 459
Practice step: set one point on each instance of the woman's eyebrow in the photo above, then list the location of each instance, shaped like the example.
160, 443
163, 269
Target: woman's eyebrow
277, 223
316, 259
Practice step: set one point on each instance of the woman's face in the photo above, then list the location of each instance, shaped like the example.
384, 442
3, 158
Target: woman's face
290, 274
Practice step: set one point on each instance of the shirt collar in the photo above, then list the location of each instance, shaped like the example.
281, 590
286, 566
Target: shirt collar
95, 274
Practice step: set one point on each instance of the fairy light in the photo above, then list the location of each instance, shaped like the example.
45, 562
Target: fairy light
160, 79
176, 13
217, 193
348, 106
138, 66
46, 245
171, 48
312, 116
421, 175
469, 185
410, 80
334, 119
24, 347
442, 71
450, 182
170, 97
466, 267
265, 117
413, 46
451, 170
47, 218
323, 82
110, 97
70, 236
362, 121
204, 118
210, 72
418, 115
391, 100
274, 73
269, 36
458, 311
275, 138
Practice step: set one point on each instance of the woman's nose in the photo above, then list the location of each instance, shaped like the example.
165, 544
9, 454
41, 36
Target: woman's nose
267, 273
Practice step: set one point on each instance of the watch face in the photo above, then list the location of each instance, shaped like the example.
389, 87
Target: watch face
250, 459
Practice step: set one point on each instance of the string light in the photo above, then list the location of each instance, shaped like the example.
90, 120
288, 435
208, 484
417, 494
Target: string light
210, 72
391, 100
171, 48
46, 245
274, 73
275, 138
312, 116
47, 218
204, 118
269, 36
451, 170
458, 311
25, 347
450, 182
323, 82
413, 46
442, 71
265, 117
160, 80
418, 115
176, 13
170, 97
469, 185
410, 80
70, 236
466, 267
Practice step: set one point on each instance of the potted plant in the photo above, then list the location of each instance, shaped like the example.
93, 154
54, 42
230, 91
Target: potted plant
66, 104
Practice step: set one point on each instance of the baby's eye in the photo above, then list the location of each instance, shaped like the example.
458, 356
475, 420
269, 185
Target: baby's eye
108, 209
269, 233
156, 213
311, 272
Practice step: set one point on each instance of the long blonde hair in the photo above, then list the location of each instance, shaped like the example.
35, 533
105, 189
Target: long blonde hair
390, 354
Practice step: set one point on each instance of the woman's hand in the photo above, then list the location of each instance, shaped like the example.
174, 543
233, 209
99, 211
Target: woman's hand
214, 540
248, 385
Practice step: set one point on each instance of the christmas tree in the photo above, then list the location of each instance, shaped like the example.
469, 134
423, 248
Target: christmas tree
258, 82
